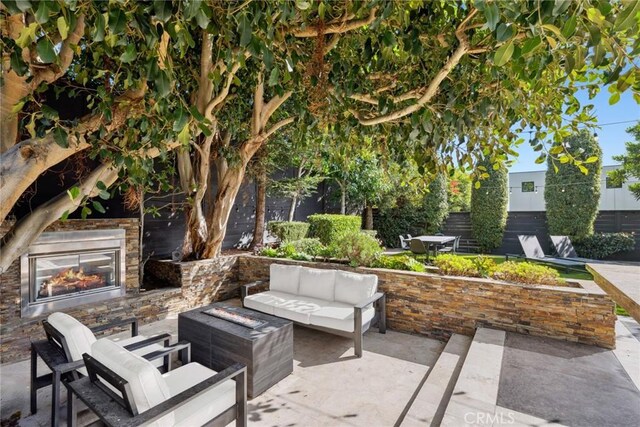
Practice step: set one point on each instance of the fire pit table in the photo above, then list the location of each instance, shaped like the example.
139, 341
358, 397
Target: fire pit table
262, 342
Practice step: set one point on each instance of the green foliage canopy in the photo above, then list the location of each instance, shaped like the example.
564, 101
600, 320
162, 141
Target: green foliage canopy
630, 161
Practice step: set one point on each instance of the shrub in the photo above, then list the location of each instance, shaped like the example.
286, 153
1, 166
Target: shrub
270, 252
309, 246
572, 192
402, 262
392, 222
527, 273
484, 266
435, 205
359, 248
454, 265
489, 207
328, 228
288, 231
603, 245
372, 233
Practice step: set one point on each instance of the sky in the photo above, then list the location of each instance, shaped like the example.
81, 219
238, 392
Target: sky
611, 137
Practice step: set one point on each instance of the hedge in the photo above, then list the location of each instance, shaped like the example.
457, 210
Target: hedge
288, 231
489, 207
603, 245
571, 196
328, 227
435, 205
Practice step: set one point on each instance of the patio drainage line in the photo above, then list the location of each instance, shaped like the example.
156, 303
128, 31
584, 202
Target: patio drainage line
407, 407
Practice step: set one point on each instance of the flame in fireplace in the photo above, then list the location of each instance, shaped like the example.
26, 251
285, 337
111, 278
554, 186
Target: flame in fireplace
70, 280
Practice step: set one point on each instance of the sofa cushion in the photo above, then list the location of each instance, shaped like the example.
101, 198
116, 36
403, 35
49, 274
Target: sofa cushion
205, 406
351, 288
299, 309
336, 315
317, 283
267, 301
148, 387
284, 278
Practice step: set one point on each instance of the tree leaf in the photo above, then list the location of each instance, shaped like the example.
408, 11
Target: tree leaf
98, 206
503, 54
245, 30
27, 35
129, 54
530, 44
85, 212
163, 83
303, 4
504, 32
183, 136
64, 216
42, 13
492, 15
73, 192
45, 51
560, 7
592, 159
569, 27
162, 9
613, 99
100, 185
117, 21
202, 19
17, 107
98, 31
627, 17
63, 27
60, 137
274, 76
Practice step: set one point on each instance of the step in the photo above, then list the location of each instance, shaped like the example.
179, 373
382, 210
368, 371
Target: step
628, 348
431, 401
476, 389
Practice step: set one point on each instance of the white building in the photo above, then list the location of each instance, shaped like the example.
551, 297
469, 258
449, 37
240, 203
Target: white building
526, 192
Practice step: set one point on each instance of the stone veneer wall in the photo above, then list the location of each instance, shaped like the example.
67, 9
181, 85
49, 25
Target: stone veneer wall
203, 282
437, 306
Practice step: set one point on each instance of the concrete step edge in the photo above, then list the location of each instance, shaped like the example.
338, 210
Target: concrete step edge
476, 390
431, 401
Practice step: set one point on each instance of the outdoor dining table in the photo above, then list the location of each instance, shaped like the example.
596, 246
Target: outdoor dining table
436, 241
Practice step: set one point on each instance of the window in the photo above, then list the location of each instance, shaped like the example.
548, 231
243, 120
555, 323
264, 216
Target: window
611, 183
528, 187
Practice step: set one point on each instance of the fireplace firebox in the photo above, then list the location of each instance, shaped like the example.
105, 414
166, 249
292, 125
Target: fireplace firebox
67, 268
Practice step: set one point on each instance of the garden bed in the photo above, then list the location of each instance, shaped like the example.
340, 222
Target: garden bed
438, 306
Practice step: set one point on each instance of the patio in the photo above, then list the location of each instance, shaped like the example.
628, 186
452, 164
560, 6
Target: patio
410, 380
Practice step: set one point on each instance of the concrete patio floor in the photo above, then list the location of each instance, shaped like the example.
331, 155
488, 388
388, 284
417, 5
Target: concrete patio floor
524, 380
329, 385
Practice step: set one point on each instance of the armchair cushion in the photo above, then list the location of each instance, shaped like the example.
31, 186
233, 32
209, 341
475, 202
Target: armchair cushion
79, 338
284, 278
339, 316
204, 407
148, 387
317, 283
351, 288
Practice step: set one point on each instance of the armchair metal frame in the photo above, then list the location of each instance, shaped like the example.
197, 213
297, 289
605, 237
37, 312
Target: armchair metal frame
120, 411
54, 351
379, 300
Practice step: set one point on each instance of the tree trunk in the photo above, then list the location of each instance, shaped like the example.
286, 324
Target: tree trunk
292, 209
16, 242
228, 187
343, 198
261, 202
368, 217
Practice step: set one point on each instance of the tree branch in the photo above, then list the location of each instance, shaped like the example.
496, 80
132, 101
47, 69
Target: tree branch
272, 106
432, 89
276, 126
338, 27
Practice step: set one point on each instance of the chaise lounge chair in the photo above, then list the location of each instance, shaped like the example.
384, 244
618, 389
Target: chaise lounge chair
565, 249
533, 252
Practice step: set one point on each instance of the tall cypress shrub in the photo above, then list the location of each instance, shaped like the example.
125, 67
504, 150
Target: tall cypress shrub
572, 192
489, 206
436, 207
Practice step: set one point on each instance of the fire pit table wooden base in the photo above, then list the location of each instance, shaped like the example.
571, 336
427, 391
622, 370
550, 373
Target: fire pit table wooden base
216, 343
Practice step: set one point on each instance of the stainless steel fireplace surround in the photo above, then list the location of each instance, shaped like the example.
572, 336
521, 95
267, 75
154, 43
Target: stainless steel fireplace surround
67, 268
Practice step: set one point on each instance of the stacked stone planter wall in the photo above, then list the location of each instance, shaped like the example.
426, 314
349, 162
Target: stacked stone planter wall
190, 285
437, 306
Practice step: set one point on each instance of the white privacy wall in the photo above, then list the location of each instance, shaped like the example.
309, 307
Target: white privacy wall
611, 199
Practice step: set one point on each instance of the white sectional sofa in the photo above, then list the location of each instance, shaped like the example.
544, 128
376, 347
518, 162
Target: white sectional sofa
335, 301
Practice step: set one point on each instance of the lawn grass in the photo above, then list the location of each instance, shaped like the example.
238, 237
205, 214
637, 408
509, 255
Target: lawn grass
499, 259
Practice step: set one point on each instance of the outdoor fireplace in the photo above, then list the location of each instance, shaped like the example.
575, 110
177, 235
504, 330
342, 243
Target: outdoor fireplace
68, 268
